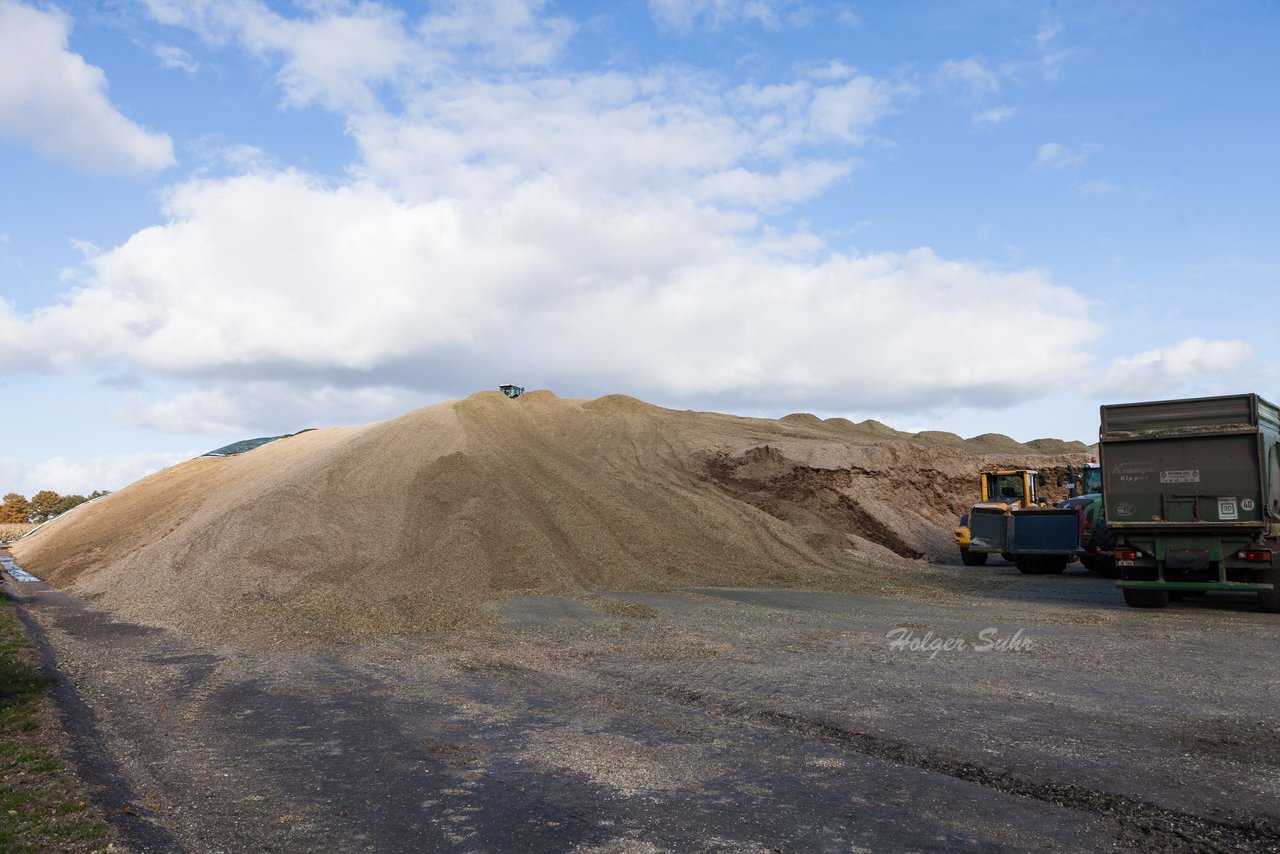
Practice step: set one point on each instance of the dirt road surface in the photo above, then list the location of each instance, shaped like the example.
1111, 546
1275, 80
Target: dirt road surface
1039, 715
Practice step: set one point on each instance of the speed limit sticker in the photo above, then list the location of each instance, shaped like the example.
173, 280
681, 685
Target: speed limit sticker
1247, 504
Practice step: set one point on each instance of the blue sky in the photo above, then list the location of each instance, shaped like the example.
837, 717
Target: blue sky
238, 218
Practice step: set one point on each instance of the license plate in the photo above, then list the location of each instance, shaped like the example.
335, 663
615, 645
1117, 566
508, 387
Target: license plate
1124, 563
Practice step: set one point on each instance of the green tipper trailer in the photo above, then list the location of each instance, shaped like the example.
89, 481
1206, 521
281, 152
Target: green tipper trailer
1192, 493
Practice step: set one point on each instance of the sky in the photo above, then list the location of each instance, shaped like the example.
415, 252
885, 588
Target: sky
222, 219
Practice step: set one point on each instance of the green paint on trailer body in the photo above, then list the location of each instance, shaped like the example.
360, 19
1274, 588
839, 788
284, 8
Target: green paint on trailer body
1194, 487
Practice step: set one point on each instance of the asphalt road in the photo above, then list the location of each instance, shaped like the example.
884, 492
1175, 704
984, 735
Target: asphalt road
1040, 715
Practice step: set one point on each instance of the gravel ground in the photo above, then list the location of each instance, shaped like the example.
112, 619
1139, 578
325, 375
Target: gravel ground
704, 720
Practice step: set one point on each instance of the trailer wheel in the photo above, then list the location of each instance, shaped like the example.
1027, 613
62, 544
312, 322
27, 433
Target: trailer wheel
973, 558
1102, 543
1146, 598
1054, 565
1269, 600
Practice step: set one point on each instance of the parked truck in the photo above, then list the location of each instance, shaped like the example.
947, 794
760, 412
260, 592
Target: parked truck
1191, 494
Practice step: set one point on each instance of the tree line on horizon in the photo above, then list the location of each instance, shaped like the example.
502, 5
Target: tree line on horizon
42, 506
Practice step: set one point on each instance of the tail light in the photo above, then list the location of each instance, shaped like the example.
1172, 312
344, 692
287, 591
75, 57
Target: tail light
1127, 553
1255, 555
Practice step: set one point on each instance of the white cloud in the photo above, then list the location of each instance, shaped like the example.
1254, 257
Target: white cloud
244, 408
1159, 371
80, 477
587, 232
610, 134
995, 116
246, 158
1053, 155
340, 55
1052, 57
278, 277
22, 349
1097, 187
847, 111
847, 16
686, 15
335, 57
742, 187
53, 100
171, 56
970, 74
505, 32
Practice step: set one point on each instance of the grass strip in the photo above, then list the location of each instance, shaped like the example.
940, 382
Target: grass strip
42, 805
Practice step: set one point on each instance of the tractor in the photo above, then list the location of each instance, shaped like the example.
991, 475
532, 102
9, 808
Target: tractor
1084, 495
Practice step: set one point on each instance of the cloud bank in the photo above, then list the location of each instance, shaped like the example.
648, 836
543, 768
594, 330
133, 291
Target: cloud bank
51, 99
1163, 370
67, 477
511, 218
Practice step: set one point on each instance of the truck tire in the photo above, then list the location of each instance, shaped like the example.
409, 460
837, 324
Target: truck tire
973, 558
1102, 543
1146, 598
1269, 600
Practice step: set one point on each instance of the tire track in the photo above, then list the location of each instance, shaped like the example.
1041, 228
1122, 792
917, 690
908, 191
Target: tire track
1143, 825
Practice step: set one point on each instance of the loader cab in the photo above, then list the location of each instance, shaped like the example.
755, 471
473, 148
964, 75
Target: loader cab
1016, 486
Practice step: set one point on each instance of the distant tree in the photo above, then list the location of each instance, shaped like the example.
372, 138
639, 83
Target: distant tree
44, 505
66, 502
16, 508
98, 493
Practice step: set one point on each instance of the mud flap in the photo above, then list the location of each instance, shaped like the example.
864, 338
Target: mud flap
1184, 559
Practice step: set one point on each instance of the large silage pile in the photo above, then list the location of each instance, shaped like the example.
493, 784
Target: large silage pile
426, 520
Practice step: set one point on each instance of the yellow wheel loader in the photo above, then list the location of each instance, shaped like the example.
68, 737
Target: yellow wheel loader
1012, 521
